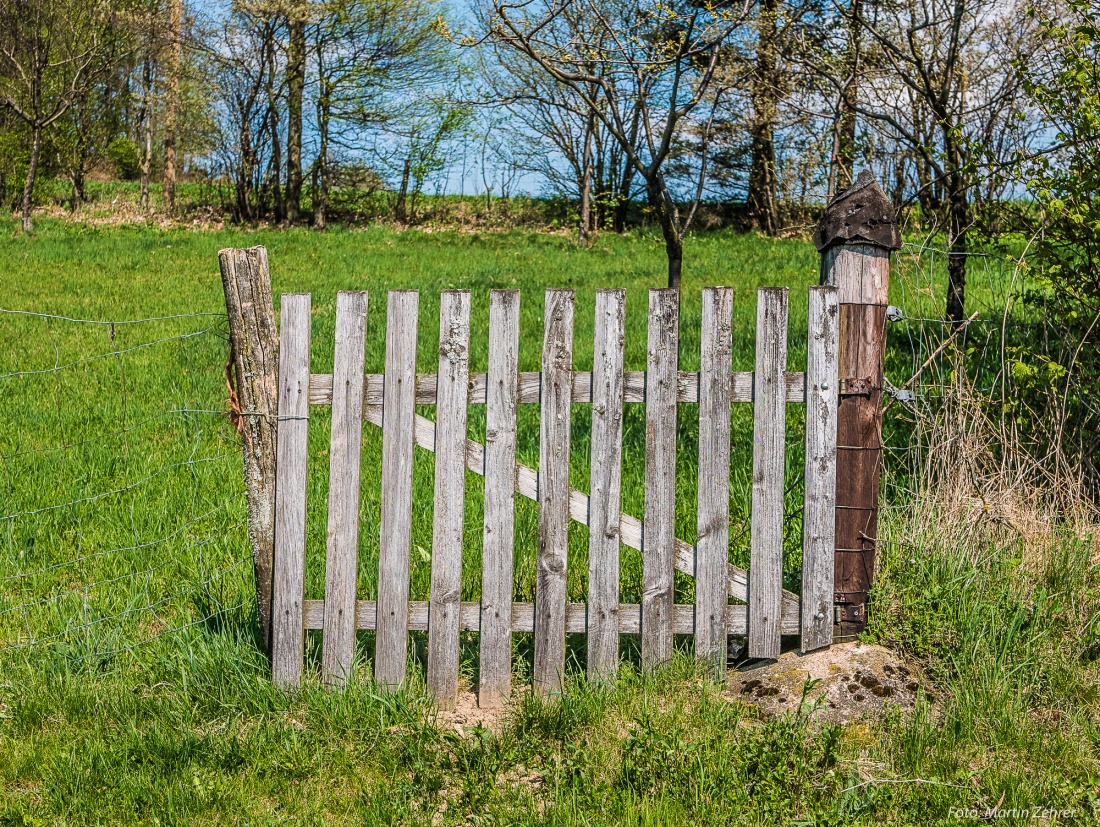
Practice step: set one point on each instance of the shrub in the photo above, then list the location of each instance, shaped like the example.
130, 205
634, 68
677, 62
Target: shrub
126, 158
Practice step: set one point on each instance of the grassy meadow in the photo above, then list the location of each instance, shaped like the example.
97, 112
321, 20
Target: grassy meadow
131, 689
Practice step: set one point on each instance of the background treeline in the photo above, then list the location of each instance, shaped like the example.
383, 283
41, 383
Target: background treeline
976, 115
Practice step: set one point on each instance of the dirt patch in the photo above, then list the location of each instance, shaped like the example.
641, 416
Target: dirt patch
468, 715
855, 681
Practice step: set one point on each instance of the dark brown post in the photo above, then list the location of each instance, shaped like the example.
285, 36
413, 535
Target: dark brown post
253, 378
855, 237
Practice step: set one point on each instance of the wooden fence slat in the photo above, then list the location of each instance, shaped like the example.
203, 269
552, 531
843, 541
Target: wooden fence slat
687, 387
769, 432
630, 528
345, 458
523, 617
659, 534
819, 520
712, 545
288, 635
497, 590
398, 412
553, 491
450, 496
606, 476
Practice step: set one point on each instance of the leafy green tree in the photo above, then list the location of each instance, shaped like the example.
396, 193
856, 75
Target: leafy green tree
49, 49
1063, 80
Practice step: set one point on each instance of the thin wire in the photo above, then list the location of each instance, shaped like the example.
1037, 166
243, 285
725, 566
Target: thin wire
122, 490
149, 607
87, 587
119, 432
56, 368
106, 552
115, 323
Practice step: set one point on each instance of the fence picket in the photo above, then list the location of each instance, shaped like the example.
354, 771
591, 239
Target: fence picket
500, 494
390, 403
819, 522
604, 500
769, 432
659, 533
345, 456
450, 496
712, 544
398, 411
553, 491
288, 632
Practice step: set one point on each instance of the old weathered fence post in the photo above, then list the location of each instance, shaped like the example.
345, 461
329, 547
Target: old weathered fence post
855, 237
254, 394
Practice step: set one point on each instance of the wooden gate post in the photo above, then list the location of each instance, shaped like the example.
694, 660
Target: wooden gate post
253, 378
855, 237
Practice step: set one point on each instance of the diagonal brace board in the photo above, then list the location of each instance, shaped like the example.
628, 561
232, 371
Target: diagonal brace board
630, 528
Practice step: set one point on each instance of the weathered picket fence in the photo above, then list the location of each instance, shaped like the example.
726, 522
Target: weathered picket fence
763, 609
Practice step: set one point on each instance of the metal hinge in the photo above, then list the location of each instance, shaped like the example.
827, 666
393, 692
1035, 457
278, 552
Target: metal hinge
856, 386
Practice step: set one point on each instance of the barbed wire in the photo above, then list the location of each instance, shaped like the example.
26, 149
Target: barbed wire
140, 421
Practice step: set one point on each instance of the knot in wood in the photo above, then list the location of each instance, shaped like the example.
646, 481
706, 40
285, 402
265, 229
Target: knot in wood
861, 214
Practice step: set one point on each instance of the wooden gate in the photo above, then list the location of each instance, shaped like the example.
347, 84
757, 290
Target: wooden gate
762, 610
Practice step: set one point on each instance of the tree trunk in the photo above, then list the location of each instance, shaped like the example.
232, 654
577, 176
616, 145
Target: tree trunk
585, 216
762, 184
275, 180
320, 178
295, 82
958, 224
844, 159
171, 108
32, 171
622, 199
76, 178
146, 119
674, 243
401, 209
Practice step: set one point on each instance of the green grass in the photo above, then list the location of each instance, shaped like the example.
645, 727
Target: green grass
186, 727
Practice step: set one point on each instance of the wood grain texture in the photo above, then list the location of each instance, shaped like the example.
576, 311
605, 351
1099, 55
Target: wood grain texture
254, 356
687, 387
495, 666
659, 536
712, 543
345, 458
769, 432
288, 637
630, 527
604, 501
553, 491
450, 496
818, 520
861, 274
398, 412
523, 617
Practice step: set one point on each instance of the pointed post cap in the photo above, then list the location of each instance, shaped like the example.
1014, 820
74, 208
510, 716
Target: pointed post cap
861, 214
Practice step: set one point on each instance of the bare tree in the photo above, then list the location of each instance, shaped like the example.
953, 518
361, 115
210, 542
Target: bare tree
297, 15
620, 60
762, 209
939, 79
47, 48
379, 67
172, 105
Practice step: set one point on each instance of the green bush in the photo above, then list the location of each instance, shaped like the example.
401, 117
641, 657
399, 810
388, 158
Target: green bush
126, 158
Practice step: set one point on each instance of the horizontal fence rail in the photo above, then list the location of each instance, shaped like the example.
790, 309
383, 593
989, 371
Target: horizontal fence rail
763, 611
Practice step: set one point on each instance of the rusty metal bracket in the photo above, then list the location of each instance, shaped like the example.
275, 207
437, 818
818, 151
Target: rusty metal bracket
857, 386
